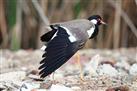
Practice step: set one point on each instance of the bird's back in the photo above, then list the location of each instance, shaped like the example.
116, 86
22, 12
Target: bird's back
78, 28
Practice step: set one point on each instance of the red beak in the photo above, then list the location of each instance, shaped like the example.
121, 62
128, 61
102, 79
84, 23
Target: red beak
102, 22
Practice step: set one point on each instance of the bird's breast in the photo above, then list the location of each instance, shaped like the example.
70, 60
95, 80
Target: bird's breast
91, 31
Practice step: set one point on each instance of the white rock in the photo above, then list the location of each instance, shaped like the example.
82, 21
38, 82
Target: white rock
33, 76
56, 76
58, 87
3, 63
76, 88
107, 69
12, 79
133, 70
29, 86
21, 52
15, 77
41, 90
92, 66
123, 64
24, 68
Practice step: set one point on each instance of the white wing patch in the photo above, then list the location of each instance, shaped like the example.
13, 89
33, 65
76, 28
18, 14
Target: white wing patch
91, 31
54, 35
43, 48
72, 38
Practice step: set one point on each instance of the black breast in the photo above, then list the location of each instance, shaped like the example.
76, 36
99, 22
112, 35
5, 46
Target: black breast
95, 32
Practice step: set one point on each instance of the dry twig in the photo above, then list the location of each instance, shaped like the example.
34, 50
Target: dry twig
125, 17
40, 12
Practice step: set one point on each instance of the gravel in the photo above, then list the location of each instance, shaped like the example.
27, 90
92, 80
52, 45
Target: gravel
104, 70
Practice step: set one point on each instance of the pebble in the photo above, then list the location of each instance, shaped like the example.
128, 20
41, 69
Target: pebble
58, 87
46, 84
66, 78
39, 90
2, 87
57, 76
29, 87
123, 64
107, 69
92, 66
133, 70
119, 88
13, 76
76, 88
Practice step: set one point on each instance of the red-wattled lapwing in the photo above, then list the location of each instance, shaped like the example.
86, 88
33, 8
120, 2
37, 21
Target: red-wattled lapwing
65, 40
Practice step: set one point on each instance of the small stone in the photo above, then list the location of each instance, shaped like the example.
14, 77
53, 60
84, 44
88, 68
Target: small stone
13, 76
58, 87
34, 72
76, 88
40, 90
108, 61
57, 76
35, 77
108, 70
46, 85
29, 87
24, 69
2, 87
123, 64
133, 70
92, 66
120, 88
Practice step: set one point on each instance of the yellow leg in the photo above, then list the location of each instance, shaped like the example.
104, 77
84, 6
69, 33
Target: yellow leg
79, 65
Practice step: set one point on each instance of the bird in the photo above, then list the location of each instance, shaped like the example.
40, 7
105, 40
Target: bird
64, 40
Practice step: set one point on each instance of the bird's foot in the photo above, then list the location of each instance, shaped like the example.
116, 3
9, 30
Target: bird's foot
82, 78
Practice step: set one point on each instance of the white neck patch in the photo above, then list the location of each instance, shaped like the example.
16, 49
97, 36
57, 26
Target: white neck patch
94, 21
91, 31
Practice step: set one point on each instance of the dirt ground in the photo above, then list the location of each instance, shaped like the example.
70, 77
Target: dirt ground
103, 70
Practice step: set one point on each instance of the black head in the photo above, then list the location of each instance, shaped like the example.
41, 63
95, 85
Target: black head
96, 19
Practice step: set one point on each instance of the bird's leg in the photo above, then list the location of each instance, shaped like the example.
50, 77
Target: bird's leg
80, 67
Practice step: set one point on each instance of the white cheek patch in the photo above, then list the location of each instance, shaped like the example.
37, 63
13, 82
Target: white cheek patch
43, 48
71, 37
91, 31
94, 21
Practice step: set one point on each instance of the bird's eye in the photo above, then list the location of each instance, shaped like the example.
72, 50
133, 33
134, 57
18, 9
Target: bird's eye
99, 19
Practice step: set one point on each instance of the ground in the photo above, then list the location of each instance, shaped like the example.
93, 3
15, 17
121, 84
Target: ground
104, 70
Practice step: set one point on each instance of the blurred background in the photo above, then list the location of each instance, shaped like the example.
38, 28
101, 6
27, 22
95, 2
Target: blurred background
21, 22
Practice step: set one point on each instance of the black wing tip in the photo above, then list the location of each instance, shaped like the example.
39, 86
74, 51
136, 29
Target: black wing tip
43, 55
42, 77
43, 74
42, 38
40, 67
42, 61
47, 36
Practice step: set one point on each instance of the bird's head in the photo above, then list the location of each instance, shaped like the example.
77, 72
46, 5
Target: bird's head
96, 19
